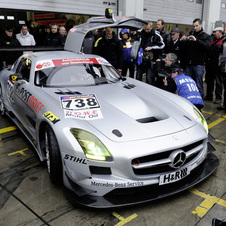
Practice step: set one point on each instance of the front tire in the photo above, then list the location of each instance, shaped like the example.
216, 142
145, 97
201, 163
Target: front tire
2, 105
53, 156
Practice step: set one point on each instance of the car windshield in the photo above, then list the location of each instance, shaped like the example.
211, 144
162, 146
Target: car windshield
76, 75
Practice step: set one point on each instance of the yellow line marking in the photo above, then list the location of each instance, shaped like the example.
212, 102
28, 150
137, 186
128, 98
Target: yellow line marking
212, 124
206, 112
8, 129
207, 204
19, 152
124, 220
220, 141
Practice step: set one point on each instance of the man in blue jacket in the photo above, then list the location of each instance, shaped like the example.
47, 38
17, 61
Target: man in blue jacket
184, 86
127, 43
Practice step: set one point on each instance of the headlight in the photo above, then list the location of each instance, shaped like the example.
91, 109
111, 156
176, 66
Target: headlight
93, 148
202, 119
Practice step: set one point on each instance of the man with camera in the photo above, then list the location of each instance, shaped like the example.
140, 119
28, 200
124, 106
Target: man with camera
194, 49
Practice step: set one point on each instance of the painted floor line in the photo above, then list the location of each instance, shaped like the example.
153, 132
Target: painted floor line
8, 129
216, 122
207, 204
122, 219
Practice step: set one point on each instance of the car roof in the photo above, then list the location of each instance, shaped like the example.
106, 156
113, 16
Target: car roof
77, 34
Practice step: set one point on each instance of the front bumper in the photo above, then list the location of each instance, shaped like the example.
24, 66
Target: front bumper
120, 197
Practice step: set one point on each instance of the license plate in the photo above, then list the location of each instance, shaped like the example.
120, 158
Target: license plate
175, 176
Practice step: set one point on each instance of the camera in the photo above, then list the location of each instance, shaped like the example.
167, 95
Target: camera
163, 74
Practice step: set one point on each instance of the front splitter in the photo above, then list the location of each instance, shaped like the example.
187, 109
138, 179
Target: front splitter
131, 196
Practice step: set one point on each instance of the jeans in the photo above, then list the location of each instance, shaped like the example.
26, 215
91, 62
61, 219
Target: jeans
196, 72
150, 73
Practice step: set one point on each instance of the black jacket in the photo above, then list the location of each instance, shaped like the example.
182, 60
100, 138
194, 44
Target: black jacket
54, 39
173, 47
11, 56
165, 36
111, 50
195, 52
153, 39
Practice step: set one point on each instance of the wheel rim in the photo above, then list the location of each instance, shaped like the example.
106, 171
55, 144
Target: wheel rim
2, 107
47, 151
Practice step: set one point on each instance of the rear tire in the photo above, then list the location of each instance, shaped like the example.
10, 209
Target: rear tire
53, 156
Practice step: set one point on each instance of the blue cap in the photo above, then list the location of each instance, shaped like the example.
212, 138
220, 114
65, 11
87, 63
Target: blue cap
124, 31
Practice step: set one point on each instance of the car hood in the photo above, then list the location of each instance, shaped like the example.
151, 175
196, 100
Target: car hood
128, 115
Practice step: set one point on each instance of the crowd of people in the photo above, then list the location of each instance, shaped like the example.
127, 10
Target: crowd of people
172, 61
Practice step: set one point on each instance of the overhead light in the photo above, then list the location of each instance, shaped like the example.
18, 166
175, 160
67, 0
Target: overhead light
10, 17
2, 17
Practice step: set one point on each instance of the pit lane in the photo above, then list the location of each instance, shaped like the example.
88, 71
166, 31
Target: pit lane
27, 196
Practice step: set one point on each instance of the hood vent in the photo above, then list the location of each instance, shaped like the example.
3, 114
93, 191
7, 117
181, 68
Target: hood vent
68, 92
129, 86
147, 120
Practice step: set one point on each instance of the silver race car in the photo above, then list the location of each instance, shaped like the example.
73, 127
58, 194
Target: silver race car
111, 141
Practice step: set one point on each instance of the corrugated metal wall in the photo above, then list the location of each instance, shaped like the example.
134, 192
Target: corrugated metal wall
172, 11
88, 7
223, 11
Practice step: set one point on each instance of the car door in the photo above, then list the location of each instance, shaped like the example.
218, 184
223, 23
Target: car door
23, 95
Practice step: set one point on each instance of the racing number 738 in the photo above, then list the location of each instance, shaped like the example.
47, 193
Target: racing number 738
80, 103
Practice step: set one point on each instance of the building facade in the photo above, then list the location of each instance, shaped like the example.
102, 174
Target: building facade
178, 13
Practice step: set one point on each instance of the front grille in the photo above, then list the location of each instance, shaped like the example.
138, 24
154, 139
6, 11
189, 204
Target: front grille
159, 163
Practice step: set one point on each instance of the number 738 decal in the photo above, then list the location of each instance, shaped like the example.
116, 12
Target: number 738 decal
79, 102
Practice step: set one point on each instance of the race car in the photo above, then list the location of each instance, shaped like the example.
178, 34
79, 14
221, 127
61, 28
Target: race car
111, 140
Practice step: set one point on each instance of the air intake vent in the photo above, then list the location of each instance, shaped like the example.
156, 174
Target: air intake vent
147, 120
129, 86
69, 92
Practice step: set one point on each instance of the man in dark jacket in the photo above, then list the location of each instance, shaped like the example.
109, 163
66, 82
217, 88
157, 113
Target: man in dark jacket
194, 49
8, 40
110, 48
54, 38
152, 44
173, 45
160, 24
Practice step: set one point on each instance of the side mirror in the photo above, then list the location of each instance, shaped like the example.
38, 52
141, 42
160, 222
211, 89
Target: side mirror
108, 13
15, 77
135, 50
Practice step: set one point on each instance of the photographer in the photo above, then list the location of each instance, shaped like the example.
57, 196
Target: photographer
184, 86
194, 49
163, 68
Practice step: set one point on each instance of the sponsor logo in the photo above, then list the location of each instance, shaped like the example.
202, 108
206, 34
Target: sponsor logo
53, 118
44, 64
117, 184
31, 100
75, 159
177, 158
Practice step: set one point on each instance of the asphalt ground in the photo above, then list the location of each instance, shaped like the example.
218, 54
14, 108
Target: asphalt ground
28, 198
